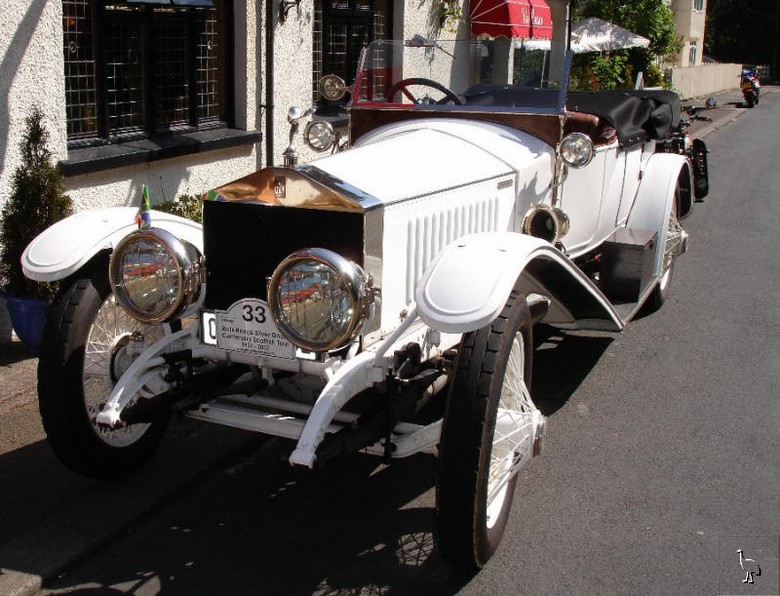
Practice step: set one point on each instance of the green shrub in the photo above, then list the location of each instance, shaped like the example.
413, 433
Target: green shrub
189, 206
654, 77
611, 71
37, 201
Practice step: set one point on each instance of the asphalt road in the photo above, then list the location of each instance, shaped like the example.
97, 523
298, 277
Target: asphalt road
660, 462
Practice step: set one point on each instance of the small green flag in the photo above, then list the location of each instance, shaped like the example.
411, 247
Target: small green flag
144, 216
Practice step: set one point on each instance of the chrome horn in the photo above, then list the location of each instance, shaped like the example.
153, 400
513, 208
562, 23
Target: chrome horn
545, 222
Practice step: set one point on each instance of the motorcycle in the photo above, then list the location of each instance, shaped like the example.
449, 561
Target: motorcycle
679, 141
750, 86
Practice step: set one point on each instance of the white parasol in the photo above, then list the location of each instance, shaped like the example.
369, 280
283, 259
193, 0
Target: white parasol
593, 35
596, 35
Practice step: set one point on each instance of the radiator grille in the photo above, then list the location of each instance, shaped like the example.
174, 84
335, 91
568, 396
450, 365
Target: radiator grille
429, 233
244, 243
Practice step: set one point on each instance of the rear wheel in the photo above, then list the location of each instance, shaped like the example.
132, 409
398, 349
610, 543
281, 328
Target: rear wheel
489, 430
701, 185
89, 341
673, 238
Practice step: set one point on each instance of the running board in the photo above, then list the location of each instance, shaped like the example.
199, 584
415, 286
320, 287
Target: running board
287, 419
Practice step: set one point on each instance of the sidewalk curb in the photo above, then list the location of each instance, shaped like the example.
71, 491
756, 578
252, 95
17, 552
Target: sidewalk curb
736, 113
718, 124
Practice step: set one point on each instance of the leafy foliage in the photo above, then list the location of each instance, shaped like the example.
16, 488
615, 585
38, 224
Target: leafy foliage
652, 19
189, 206
450, 13
744, 31
37, 201
654, 77
610, 70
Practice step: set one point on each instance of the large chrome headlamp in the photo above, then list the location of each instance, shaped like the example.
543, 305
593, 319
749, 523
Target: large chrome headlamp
319, 300
576, 149
155, 275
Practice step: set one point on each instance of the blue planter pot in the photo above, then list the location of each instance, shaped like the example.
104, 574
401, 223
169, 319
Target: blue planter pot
28, 316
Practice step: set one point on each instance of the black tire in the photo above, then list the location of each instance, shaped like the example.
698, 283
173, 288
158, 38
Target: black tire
79, 363
470, 524
701, 184
671, 239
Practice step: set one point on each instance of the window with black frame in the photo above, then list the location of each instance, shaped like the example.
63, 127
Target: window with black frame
342, 28
143, 68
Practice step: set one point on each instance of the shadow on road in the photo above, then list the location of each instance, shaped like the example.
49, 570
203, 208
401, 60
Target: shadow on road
561, 363
30, 475
253, 525
260, 527
12, 352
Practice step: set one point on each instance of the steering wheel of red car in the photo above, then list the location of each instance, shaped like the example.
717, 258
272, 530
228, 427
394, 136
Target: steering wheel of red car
404, 84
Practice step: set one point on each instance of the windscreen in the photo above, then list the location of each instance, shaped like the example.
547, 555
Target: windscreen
485, 74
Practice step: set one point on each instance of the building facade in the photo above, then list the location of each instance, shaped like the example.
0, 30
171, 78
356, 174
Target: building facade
179, 95
689, 18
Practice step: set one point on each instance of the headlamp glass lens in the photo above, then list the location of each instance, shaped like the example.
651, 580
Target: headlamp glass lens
577, 150
319, 135
315, 303
154, 275
320, 301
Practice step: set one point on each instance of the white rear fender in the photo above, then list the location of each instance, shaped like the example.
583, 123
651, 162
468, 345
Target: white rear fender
469, 282
66, 246
656, 196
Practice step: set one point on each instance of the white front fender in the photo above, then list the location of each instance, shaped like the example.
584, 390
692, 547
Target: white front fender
66, 246
468, 283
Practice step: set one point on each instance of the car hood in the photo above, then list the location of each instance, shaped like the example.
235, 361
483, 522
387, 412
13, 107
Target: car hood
419, 158
402, 162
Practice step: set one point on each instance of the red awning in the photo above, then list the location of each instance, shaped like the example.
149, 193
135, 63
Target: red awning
529, 19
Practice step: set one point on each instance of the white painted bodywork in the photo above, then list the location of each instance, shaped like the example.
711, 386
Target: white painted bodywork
69, 244
434, 155
452, 251
458, 178
497, 263
655, 197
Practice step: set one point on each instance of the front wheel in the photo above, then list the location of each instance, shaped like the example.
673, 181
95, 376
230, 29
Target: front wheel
89, 340
491, 428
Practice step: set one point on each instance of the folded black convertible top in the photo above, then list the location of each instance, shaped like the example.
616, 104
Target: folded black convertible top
636, 115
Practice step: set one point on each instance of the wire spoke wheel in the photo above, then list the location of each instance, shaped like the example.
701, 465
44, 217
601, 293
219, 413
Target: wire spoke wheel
108, 352
673, 246
89, 341
513, 431
673, 243
491, 428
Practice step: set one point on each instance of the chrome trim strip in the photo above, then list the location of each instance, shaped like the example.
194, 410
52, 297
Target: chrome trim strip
373, 231
373, 260
363, 199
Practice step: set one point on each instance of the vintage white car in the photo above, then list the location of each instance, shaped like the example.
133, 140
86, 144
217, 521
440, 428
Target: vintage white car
381, 298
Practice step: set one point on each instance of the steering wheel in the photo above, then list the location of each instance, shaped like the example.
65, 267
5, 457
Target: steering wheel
404, 84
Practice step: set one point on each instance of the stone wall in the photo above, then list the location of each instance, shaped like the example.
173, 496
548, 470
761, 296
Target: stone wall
706, 79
